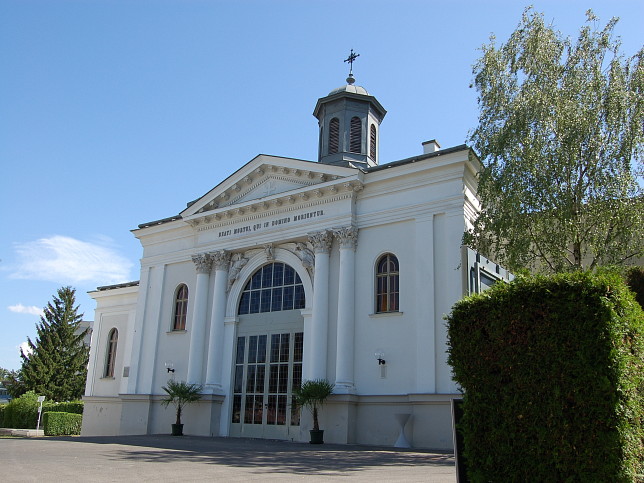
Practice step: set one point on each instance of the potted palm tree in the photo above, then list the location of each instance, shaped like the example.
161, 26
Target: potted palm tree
312, 395
180, 394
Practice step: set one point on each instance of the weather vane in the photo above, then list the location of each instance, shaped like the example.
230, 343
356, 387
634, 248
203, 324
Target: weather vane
352, 56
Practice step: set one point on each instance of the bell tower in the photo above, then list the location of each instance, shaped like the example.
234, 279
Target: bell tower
349, 119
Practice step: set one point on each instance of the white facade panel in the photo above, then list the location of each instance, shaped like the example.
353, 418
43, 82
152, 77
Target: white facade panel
332, 225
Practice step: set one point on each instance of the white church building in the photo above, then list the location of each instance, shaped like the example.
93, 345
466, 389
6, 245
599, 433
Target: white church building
292, 270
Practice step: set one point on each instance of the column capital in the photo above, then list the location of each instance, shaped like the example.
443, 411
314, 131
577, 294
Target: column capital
321, 241
220, 259
203, 262
347, 236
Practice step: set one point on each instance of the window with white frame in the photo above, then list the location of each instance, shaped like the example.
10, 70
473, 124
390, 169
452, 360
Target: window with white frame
387, 284
272, 288
180, 308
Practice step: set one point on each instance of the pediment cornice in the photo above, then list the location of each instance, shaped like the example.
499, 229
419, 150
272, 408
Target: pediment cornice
308, 196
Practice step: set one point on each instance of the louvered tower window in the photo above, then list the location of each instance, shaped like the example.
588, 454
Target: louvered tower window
372, 142
355, 135
334, 135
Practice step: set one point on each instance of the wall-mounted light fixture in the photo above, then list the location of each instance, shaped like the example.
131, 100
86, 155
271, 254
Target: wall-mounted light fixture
380, 356
170, 367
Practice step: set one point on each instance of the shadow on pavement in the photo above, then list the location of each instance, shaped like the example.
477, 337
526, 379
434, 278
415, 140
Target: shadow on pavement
276, 456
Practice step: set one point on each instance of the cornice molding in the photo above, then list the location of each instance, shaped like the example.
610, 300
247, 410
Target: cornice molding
284, 203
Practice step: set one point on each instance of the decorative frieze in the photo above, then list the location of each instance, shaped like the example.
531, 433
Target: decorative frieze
203, 262
307, 257
268, 250
321, 241
347, 236
237, 262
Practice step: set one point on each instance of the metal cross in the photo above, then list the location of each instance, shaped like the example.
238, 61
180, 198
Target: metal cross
353, 56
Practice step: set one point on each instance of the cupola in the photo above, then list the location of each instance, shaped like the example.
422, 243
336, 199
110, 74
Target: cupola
349, 119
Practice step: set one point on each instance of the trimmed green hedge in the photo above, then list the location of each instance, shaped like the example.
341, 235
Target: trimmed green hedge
635, 280
62, 424
552, 371
2, 408
22, 412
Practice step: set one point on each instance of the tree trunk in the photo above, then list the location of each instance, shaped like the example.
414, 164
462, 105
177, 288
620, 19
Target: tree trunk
315, 418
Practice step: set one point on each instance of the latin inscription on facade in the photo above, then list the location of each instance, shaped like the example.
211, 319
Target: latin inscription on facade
269, 224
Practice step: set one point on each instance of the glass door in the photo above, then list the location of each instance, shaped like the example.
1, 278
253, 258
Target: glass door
267, 368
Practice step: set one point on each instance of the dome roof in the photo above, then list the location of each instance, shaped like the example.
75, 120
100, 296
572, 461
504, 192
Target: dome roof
352, 88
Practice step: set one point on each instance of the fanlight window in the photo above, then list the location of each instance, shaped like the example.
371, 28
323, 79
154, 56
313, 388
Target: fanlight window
180, 308
355, 135
272, 288
110, 361
334, 135
387, 280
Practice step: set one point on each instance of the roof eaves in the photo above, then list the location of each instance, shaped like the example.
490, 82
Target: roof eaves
160, 222
117, 285
422, 157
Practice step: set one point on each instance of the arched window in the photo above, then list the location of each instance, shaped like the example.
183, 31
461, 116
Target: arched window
355, 135
372, 142
180, 308
110, 360
334, 135
272, 288
387, 289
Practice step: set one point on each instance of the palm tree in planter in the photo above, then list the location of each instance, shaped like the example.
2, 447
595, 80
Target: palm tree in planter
180, 394
312, 395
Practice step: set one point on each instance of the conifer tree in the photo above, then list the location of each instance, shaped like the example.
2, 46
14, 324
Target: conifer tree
57, 365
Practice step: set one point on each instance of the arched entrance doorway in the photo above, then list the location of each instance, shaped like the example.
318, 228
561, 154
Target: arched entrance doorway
268, 354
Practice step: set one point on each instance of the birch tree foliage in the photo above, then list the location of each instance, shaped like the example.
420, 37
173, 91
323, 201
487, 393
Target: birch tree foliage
561, 139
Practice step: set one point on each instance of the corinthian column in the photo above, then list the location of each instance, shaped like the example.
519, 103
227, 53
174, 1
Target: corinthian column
221, 262
321, 242
348, 238
203, 264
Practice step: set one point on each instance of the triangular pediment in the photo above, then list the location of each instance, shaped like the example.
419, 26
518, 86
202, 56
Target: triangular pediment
269, 185
265, 178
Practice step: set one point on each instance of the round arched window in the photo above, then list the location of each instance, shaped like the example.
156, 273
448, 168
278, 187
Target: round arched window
387, 278
272, 288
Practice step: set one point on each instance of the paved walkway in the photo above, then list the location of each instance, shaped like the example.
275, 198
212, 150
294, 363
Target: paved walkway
192, 458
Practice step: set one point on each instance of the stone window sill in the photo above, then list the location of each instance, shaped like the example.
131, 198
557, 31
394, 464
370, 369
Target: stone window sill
385, 314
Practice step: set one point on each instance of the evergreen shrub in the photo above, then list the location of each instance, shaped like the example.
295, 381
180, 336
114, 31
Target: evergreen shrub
2, 408
552, 371
61, 423
22, 412
75, 407
635, 281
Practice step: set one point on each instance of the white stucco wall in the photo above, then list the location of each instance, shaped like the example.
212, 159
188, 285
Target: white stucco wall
416, 211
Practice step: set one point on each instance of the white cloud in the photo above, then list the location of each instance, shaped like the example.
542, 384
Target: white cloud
26, 350
21, 309
64, 260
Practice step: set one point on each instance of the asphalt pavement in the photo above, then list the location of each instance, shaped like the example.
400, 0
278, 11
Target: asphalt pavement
163, 458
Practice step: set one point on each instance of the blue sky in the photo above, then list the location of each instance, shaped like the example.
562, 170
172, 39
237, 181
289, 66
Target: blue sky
115, 113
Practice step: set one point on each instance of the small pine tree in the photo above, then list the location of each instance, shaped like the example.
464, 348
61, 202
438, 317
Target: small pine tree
57, 365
